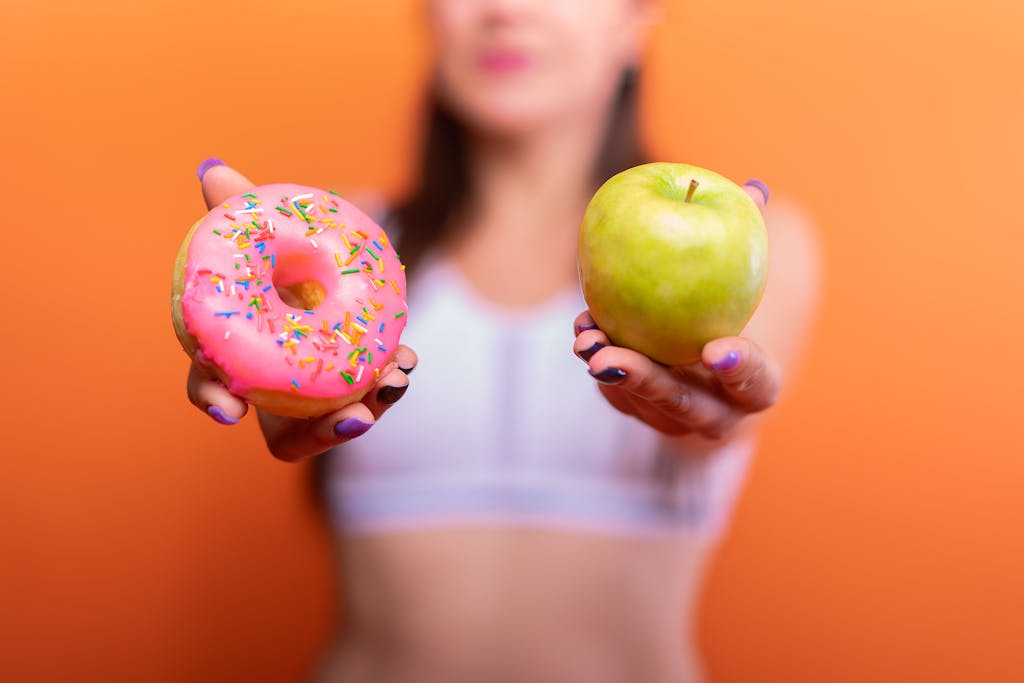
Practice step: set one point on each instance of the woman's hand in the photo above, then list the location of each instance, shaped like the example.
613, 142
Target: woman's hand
287, 438
734, 377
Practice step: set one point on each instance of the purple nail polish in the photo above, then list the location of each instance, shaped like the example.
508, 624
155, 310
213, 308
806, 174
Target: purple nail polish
754, 182
727, 362
587, 354
351, 427
220, 416
389, 395
584, 328
207, 165
609, 375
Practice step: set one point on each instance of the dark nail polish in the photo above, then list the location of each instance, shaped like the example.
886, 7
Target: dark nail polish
587, 354
727, 362
407, 371
754, 182
584, 328
609, 375
351, 427
220, 416
389, 395
207, 165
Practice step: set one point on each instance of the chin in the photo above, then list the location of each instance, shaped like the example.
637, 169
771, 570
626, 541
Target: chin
505, 117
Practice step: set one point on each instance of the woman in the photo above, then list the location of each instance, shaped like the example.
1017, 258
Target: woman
512, 521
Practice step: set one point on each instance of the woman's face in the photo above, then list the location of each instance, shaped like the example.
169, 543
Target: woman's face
509, 66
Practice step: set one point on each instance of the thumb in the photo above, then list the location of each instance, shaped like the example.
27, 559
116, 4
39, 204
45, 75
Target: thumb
759, 192
220, 181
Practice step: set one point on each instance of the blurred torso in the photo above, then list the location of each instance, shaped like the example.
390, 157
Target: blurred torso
505, 604
533, 602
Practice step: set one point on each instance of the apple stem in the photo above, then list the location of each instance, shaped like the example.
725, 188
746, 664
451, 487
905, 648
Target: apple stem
689, 192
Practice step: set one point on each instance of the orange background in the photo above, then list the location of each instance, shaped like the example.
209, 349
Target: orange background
879, 537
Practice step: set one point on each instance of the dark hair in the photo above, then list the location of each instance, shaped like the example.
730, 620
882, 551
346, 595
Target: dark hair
423, 220
445, 182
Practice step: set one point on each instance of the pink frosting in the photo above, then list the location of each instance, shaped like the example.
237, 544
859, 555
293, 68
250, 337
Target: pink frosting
280, 235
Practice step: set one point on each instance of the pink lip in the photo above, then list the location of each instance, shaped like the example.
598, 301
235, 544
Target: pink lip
503, 62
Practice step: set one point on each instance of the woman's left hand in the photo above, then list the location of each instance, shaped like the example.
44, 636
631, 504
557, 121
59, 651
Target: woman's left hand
733, 378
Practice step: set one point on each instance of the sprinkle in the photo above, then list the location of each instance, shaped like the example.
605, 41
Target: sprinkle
227, 314
399, 314
359, 375
394, 286
348, 377
268, 287
337, 258
295, 384
313, 242
248, 316
379, 248
334, 193
381, 329
348, 272
229, 217
227, 335
284, 210
249, 194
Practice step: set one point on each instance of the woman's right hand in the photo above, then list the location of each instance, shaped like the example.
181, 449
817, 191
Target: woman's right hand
288, 438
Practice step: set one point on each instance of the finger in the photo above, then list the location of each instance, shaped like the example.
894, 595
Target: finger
589, 342
759, 192
391, 386
688, 405
207, 393
584, 321
749, 377
220, 182
406, 358
290, 439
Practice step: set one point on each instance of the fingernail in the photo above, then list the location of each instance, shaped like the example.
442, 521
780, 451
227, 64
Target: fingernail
388, 395
583, 328
407, 371
727, 362
754, 182
609, 375
207, 165
351, 427
587, 354
220, 416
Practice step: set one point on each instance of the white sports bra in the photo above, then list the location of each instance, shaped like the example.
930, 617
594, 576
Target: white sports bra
502, 425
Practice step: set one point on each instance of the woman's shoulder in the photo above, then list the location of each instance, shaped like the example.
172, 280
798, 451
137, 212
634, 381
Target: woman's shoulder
783, 319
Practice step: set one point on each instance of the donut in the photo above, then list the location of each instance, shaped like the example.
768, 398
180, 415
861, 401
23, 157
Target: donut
292, 296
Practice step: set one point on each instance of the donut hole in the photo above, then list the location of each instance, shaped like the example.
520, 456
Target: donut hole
294, 285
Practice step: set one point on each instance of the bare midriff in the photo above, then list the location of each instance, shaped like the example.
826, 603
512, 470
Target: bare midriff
515, 604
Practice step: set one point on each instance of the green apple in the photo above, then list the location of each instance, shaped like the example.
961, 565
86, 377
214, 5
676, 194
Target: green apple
670, 257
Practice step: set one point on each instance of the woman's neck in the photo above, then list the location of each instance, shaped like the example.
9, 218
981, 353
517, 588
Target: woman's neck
533, 182
520, 225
